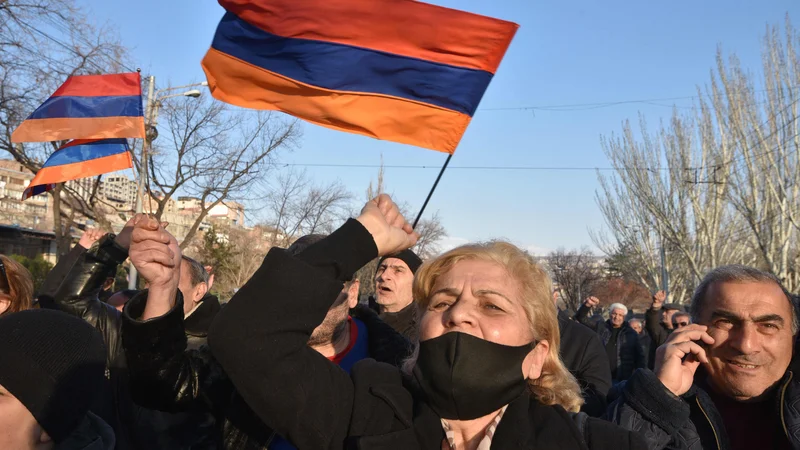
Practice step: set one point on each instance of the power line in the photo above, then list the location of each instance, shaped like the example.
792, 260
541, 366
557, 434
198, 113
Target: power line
376, 166
72, 50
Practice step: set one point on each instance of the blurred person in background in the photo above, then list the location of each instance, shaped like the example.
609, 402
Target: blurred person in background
16, 287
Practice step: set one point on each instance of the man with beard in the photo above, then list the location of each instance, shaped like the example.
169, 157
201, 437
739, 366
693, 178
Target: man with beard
167, 375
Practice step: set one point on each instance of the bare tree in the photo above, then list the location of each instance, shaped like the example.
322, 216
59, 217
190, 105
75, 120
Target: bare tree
235, 254
619, 290
42, 42
718, 185
431, 232
296, 206
213, 153
575, 272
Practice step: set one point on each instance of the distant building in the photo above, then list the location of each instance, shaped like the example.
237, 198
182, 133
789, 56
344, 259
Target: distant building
34, 213
120, 191
229, 212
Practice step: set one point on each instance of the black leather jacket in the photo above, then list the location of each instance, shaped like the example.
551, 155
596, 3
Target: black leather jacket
690, 422
74, 290
167, 373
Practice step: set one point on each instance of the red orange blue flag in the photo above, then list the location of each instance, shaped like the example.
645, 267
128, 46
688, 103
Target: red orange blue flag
402, 70
88, 107
80, 158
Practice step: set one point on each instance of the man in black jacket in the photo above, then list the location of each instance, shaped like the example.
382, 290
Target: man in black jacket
724, 382
166, 375
73, 287
620, 341
644, 338
583, 354
658, 323
393, 300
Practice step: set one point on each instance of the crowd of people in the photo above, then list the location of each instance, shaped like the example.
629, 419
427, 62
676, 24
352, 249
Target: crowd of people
467, 350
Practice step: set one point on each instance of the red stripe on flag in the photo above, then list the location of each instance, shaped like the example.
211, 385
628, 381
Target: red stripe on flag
118, 84
402, 27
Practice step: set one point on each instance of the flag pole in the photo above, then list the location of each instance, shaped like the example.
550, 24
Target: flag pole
430, 194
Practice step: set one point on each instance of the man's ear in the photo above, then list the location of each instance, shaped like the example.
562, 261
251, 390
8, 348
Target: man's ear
44, 438
352, 294
200, 291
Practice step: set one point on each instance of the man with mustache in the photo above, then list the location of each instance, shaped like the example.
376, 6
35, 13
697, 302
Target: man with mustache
724, 382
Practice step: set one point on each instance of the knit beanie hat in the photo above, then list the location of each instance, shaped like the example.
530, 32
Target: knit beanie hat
53, 364
407, 256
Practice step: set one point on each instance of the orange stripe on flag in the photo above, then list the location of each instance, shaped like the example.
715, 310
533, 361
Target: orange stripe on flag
61, 129
383, 117
403, 27
93, 167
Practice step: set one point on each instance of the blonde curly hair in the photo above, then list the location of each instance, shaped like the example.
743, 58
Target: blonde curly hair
555, 386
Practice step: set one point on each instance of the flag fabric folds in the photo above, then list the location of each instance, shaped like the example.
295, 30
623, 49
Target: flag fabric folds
32, 190
398, 70
81, 158
88, 107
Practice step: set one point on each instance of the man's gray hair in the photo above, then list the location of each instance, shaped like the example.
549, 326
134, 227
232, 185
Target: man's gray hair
737, 273
618, 306
197, 272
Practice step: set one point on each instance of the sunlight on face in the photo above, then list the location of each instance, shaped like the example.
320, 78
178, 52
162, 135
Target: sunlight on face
751, 324
478, 298
18, 428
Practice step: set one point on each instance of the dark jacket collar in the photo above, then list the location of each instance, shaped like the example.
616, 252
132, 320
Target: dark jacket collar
385, 344
92, 434
198, 323
525, 424
709, 415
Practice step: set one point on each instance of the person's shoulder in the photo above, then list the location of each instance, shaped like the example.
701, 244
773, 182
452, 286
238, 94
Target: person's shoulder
603, 435
576, 330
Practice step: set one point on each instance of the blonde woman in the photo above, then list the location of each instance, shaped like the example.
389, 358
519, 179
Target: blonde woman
486, 374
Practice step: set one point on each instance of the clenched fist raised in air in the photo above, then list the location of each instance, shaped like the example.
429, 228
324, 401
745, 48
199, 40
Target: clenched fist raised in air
156, 255
389, 229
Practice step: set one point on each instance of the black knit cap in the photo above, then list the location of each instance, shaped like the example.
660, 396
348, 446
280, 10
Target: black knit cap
407, 256
53, 364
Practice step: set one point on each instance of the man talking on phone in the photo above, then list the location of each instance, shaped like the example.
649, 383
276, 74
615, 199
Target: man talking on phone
723, 382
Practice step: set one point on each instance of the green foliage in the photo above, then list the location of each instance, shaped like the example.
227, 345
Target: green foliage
38, 267
216, 250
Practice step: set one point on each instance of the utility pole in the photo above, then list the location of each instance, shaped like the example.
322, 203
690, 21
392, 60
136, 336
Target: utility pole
148, 112
664, 274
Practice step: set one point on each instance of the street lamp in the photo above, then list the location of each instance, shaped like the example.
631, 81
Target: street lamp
150, 117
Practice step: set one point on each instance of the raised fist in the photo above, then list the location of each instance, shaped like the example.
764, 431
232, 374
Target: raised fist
155, 253
90, 236
591, 302
658, 299
389, 229
123, 239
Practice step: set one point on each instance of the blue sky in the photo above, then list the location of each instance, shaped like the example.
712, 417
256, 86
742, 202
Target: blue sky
567, 52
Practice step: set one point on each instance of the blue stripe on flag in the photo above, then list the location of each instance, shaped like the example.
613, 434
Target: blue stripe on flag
87, 107
353, 69
85, 152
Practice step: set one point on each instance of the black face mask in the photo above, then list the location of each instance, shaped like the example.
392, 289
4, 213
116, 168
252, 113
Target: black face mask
464, 377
